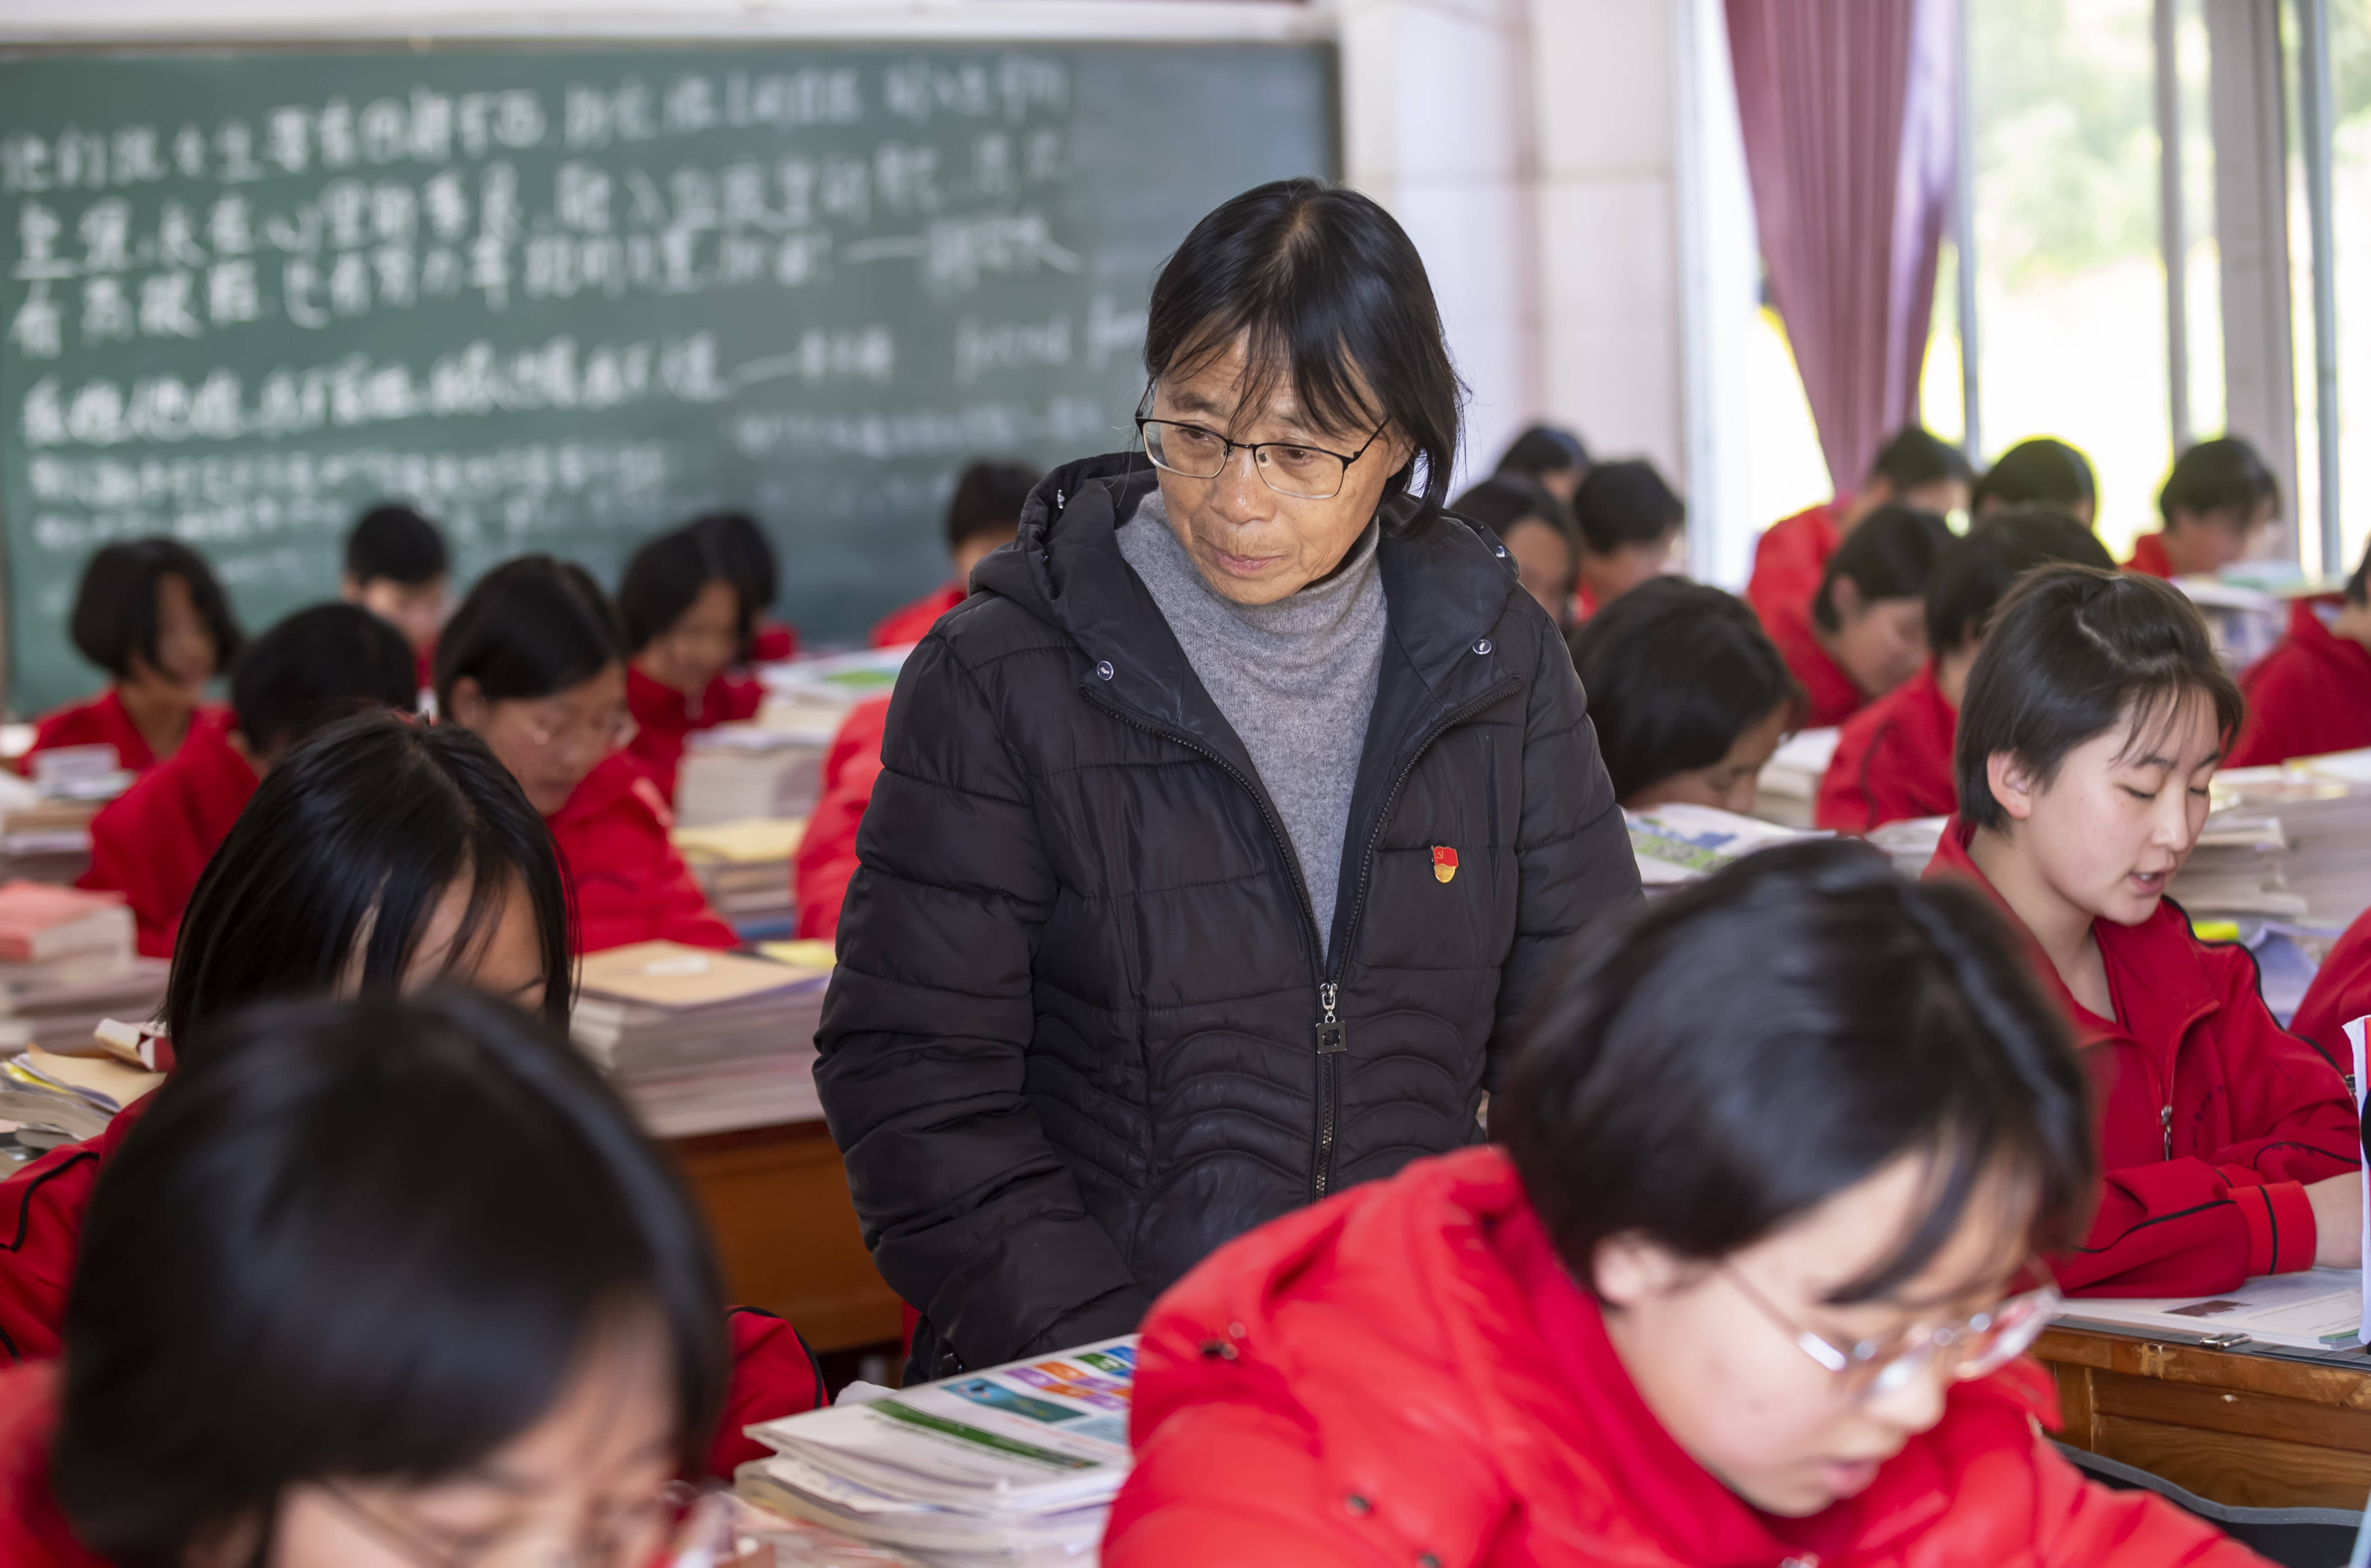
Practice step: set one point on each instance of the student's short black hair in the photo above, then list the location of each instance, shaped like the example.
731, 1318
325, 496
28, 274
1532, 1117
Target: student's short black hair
2222, 475
987, 500
748, 555
115, 608
1505, 499
1889, 556
2044, 471
667, 576
1914, 457
394, 542
316, 666
1974, 573
1860, 1017
1675, 672
2074, 651
333, 873
361, 1240
1544, 449
1333, 297
1625, 504
531, 628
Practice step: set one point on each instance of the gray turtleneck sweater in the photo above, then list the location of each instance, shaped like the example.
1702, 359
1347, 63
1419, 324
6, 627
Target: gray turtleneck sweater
1295, 680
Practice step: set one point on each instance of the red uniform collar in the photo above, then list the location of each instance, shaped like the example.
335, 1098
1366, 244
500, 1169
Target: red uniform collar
2309, 633
2148, 555
613, 779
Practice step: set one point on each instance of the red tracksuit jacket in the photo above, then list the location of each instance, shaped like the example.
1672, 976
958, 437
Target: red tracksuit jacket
2149, 556
2213, 1119
770, 643
1829, 694
1892, 761
827, 855
102, 721
152, 842
2340, 994
1406, 1375
663, 719
911, 623
2309, 694
630, 884
41, 1208
1789, 560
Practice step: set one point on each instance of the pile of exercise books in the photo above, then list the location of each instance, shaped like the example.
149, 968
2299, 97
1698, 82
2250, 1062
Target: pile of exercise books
1789, 785
1679, 844
1014, 1465
2310, 821
48, 1098
662, 1009
744, 869
66, 961
43, 838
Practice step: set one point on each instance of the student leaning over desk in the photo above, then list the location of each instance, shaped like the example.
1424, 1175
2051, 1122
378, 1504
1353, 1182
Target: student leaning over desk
1745, 1287
2093, 719
686, 623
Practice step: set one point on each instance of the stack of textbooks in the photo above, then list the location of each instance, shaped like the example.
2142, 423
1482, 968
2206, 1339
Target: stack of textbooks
45, 837
663, 1010
744, 869
66, 961
770, 768
1015, 1465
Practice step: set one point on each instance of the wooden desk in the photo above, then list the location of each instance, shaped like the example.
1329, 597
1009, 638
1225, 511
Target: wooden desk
2257, 1431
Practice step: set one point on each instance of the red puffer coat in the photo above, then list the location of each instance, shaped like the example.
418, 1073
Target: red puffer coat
1403, 1378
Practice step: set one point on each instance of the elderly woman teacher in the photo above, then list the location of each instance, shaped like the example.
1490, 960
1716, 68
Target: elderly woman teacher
1223, 832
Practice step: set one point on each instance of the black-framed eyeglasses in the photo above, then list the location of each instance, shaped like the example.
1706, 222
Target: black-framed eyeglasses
621, 1537
1291, 469
1876, 1369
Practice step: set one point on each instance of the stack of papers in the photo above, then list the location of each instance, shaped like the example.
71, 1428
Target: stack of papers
1677, 843
1018, 1464
2239, 869
1790, 784
43, 838
1911, 842
744, 867
659, 1010
58, 1009
51, 1099
769, 768
2319, 1311
2320, 810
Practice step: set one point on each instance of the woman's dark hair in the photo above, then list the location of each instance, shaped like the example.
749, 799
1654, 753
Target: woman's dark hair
2044, 471
1675, 672
531, 627
115, 608
748, 555
1625, 504
2222, 475
1913, 458
1544, 449
1333, 300
987, 500
1889, 556
316, 666
667, 576
360, 1239
2072, 653
1861, 1016
394, 542
1974, 573
1504, 501
334, 870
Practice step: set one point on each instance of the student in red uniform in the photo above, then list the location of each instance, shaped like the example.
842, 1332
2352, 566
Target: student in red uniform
1550, 456
1864, 632
2312, 693
1893, 759
983, 516
1537, 531
1689, 697
2041, 472
2095, 717
535, 662
383, 856
2217, 505
1630, 522
151, 615
826, 858
316, 666
749, 555
398, 567
1915, 469
686, 623
372, 1284
1728, 1294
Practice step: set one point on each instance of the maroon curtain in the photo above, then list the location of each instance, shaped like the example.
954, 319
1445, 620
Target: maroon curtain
1851, 137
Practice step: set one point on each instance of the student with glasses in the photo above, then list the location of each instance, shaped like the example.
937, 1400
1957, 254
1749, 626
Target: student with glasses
1746, 1284
1222, 831
535, 662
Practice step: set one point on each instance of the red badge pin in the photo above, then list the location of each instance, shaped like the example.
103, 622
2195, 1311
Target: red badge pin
1445, 862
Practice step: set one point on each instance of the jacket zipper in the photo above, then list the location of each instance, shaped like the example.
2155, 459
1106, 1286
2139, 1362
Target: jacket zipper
1333, 1035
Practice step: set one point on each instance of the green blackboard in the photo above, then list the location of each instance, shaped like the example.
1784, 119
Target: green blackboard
561, 299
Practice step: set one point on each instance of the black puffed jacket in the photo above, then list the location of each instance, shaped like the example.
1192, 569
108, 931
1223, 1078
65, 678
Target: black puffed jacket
1080, 1033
